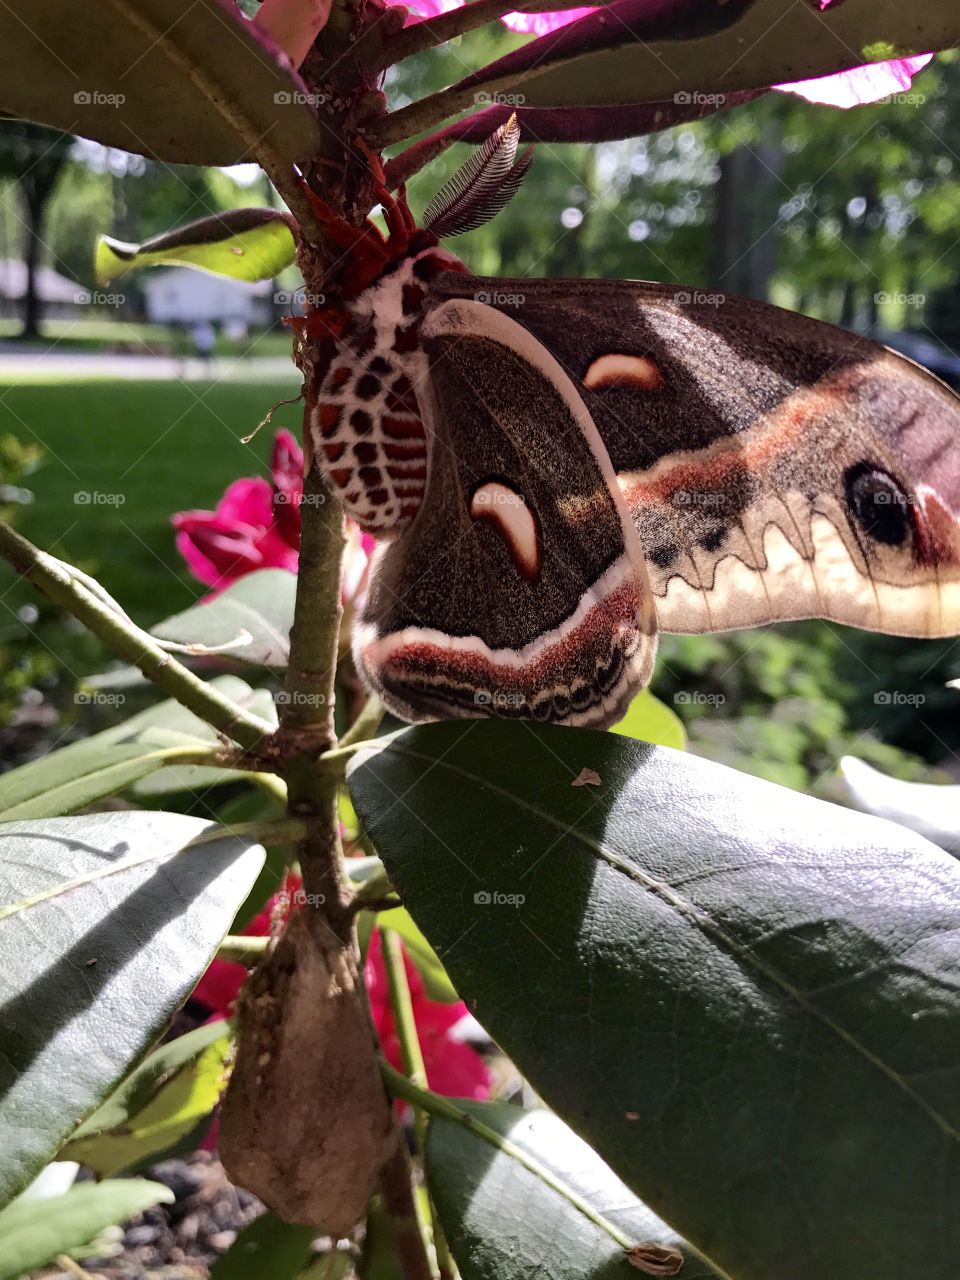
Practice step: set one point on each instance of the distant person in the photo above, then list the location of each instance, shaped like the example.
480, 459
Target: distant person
204, 340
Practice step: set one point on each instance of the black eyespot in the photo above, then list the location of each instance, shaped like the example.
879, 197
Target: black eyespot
663, 555
879, 504
714, 539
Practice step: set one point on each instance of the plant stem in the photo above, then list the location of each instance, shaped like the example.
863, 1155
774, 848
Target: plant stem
271, 785
242, 948
307, 727
401, 1003
401, 1087
282, 831
130, 643
400, 1202
366, 724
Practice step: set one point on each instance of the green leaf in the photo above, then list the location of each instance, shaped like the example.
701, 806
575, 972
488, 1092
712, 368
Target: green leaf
163, 1100
90, 771
651, 720
542, 1233
110, 919
267, 1248
105, 763
130, 75
641, 56
33, 1232
259, 606
245, 244
933, 811
438, 985
743, 998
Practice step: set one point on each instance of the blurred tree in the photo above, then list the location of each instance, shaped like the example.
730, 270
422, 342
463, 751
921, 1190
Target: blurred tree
33, 156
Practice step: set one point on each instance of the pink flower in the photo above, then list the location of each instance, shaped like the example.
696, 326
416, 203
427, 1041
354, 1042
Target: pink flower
853, 88
453, 1068
256, 525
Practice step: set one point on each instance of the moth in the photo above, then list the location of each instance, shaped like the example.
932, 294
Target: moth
556, 469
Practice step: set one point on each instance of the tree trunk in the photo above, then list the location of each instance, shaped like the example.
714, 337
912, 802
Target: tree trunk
35, 200
744, 231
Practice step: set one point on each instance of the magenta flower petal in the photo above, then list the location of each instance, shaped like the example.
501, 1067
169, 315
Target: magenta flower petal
861, 85
215, 552
247, 502
433, 8
286, 471
541, 24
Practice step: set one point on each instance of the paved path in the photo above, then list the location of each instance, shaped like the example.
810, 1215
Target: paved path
32, 366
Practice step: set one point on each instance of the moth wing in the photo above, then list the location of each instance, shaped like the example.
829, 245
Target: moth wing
519, 589
775, 467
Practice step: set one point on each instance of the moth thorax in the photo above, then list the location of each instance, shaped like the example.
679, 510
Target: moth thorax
368, 433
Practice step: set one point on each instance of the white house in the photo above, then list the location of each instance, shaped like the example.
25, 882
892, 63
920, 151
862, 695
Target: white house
59, 296
179, 295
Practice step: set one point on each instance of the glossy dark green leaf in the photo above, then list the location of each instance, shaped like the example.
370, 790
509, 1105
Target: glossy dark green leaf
504, 1221
633, 52
161, 1102
267, 1248
35, 1231
107, 922
745, 999
256, 612
107, 762
245, 244
933, 811
122, 73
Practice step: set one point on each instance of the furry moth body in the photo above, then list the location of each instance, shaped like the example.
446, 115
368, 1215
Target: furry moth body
557, 469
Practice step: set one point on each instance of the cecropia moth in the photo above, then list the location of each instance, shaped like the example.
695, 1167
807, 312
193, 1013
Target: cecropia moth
556, 468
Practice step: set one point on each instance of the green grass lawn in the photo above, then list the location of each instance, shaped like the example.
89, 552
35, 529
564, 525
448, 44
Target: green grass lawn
160, 447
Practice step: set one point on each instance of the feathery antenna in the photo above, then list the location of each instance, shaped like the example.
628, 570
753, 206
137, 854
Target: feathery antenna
482, 187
